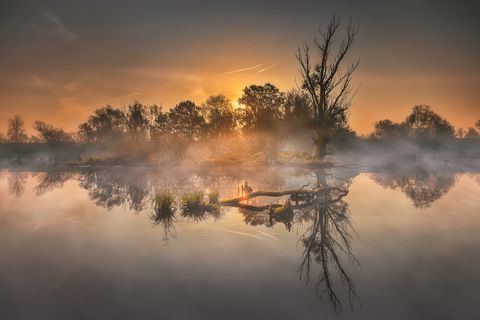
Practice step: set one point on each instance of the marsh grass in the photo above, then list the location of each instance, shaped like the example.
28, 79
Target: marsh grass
213, 197
195, 206
163, 207
163, 213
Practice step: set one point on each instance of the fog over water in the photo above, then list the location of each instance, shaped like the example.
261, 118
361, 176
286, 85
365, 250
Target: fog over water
384, 241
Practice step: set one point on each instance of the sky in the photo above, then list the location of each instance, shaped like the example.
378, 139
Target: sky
60, 60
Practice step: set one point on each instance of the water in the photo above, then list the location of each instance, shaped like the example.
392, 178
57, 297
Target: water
81, 244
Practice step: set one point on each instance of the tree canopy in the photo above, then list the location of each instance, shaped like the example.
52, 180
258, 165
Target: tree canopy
16, 130
261, 107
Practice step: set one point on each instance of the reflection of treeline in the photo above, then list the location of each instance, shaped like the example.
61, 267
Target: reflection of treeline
422, 187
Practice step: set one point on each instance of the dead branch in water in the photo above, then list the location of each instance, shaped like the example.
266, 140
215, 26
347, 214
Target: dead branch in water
236, 202
266, 194
268, 206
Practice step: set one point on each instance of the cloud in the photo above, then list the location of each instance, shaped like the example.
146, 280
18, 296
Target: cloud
60, 28
39, 82
126, 96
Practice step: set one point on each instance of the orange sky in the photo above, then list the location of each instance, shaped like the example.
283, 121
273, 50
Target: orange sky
62, 61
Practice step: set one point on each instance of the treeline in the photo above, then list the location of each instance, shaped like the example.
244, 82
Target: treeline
263, 109
421, 124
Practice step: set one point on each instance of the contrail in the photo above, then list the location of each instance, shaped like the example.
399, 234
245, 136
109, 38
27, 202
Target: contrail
267, 68
60, 28
244, 69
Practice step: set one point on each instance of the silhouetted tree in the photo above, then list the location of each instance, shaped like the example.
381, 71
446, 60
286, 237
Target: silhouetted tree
328, 82
387, 129
472, 134
160, 125
219, 116
477, 125
185, 120
425, 123
51, 134
261, 107
298, 114
137, 121
105, 124
16, 130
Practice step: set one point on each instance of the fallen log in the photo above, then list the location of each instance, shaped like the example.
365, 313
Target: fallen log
266, 194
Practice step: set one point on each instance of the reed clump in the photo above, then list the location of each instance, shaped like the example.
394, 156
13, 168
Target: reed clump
195, 205
163, 207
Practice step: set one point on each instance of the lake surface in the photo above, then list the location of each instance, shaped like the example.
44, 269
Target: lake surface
391, 244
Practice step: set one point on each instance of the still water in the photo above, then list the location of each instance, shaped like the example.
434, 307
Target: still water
84, 244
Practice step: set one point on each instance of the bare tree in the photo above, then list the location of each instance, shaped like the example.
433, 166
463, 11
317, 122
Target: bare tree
16, 130
328, 82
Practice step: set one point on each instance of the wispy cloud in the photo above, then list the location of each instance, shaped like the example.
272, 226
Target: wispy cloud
267, 68
126, 96
60, 28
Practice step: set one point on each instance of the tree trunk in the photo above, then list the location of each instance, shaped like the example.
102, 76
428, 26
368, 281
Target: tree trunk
321, 144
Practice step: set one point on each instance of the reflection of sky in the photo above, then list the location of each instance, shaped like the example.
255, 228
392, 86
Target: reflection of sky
63, 255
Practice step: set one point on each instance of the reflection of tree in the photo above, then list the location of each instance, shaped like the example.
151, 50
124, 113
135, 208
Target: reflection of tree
267, 218
320, 212
51, 180
327, 236
327, 241
163, 213
108, 190
16, 183
422, 187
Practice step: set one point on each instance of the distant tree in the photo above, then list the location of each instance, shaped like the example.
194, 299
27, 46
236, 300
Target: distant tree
105, 124
160, 125
328, 82
219, 115
86, 132
471, 134
261, 107
477, 125
387, 129
3, 137
52, 135
35, 139
137, 121
298, 114
16, 130
185, 120
425, 123
460, 133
